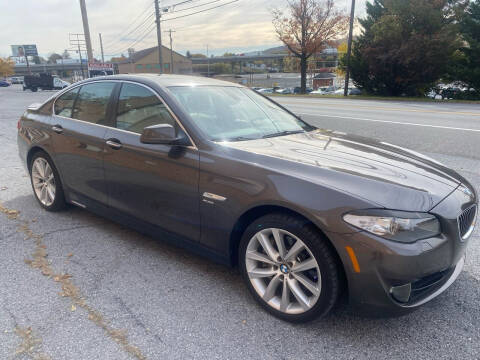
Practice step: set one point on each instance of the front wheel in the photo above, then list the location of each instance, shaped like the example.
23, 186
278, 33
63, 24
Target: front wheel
289, 267
46, 182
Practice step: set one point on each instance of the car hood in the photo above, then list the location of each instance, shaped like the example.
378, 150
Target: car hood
384, 174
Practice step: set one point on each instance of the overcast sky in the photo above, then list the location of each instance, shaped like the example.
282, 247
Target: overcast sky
241, 26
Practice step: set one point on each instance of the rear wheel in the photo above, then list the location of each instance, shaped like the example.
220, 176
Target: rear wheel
46, 182
289, 267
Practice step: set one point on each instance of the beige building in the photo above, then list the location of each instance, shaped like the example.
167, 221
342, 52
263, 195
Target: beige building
146, 61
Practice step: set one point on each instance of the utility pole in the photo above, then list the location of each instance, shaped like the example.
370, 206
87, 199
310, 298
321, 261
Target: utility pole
208, 63
349, 49
75, 40
101, 47
158, 17
171, 50
86, 30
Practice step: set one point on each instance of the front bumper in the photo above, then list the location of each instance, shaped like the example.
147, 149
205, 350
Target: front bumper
393, 278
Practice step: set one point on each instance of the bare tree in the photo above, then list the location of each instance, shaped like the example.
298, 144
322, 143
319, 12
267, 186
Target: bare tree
306, 27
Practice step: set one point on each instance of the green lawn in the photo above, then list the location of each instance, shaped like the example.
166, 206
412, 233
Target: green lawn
386, 98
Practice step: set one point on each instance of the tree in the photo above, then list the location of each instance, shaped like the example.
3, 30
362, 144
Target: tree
66, 54
308, 28
189, 55
38, 60
405, 45
7, 67
198, 56
53, 57
466, 62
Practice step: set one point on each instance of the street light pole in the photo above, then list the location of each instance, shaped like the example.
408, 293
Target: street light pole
349, 49
159, 34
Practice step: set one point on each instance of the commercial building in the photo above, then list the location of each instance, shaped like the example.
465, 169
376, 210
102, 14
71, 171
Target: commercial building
146, 61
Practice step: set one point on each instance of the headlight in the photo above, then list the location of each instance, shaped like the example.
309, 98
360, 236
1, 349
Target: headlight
399, 226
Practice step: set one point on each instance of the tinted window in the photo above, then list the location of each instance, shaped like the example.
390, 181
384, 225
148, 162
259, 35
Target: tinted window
64, 104
92, 102
138, 108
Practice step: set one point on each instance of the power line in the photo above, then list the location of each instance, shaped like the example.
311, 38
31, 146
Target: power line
201, 11
139, 30
177, 17
143, 36
122, 34
141, 25
196, 6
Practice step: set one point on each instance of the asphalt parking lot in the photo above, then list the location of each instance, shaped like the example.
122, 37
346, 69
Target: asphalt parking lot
77, 286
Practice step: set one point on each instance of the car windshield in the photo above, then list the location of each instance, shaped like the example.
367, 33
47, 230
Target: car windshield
226, 113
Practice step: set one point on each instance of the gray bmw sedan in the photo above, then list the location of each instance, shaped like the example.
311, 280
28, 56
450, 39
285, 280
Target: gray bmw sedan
308, 215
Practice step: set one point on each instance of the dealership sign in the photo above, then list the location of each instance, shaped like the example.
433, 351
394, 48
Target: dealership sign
100, 69
24, 50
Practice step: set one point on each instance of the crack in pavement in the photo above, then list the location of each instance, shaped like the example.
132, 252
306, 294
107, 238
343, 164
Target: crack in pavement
30, 345
69, 289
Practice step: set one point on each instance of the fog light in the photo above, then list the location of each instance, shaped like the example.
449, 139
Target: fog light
401, 293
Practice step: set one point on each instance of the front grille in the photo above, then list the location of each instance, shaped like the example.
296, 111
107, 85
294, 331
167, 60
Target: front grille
466, 221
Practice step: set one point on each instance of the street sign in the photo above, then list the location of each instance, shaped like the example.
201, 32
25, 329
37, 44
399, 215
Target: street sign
24, 50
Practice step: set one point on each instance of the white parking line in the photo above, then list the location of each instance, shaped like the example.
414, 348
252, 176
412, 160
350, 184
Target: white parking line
393, 122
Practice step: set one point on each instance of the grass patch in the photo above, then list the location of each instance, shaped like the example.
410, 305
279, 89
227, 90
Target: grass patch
377, 98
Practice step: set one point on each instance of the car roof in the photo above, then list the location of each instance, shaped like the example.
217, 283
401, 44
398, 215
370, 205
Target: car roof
167, 80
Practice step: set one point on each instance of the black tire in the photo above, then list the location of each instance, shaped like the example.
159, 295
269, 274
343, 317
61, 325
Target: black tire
331, 280
34, 89
59, 201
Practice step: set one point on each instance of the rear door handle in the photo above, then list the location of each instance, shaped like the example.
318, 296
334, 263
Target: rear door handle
114, 144
57, 128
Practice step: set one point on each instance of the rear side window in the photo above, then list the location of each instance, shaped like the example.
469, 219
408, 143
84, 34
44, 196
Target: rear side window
139, 108
92, 102
64, 104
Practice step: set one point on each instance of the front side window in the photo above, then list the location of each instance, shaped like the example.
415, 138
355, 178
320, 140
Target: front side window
92, 102
227, 113
138, 108
64, 104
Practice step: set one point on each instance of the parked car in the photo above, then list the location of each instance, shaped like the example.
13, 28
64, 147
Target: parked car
266, 91
17, 80
43, 82
297, 90
351, 91
308, 215
319, 91
283, 91
4, 83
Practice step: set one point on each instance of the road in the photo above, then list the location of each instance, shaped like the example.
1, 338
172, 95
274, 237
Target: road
144, 299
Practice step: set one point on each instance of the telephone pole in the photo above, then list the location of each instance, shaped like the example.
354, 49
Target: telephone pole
171, 50
86, 30
159, 34
208, 63
101, 47
77, 41
349, 49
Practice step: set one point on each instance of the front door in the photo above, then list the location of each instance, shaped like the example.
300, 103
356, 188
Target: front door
79, 126
153, 182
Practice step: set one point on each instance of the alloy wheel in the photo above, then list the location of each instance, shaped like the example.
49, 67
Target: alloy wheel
283, 271
43, 180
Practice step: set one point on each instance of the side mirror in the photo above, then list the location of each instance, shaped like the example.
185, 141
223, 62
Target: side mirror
162, 134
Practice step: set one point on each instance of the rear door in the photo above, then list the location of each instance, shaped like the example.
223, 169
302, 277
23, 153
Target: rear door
79, 125
153, 182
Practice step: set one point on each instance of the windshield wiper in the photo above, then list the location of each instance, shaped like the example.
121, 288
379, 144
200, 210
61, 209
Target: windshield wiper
283, 133
237, 138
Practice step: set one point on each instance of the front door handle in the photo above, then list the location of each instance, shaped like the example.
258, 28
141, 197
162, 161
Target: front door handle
58, 129
114, 144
